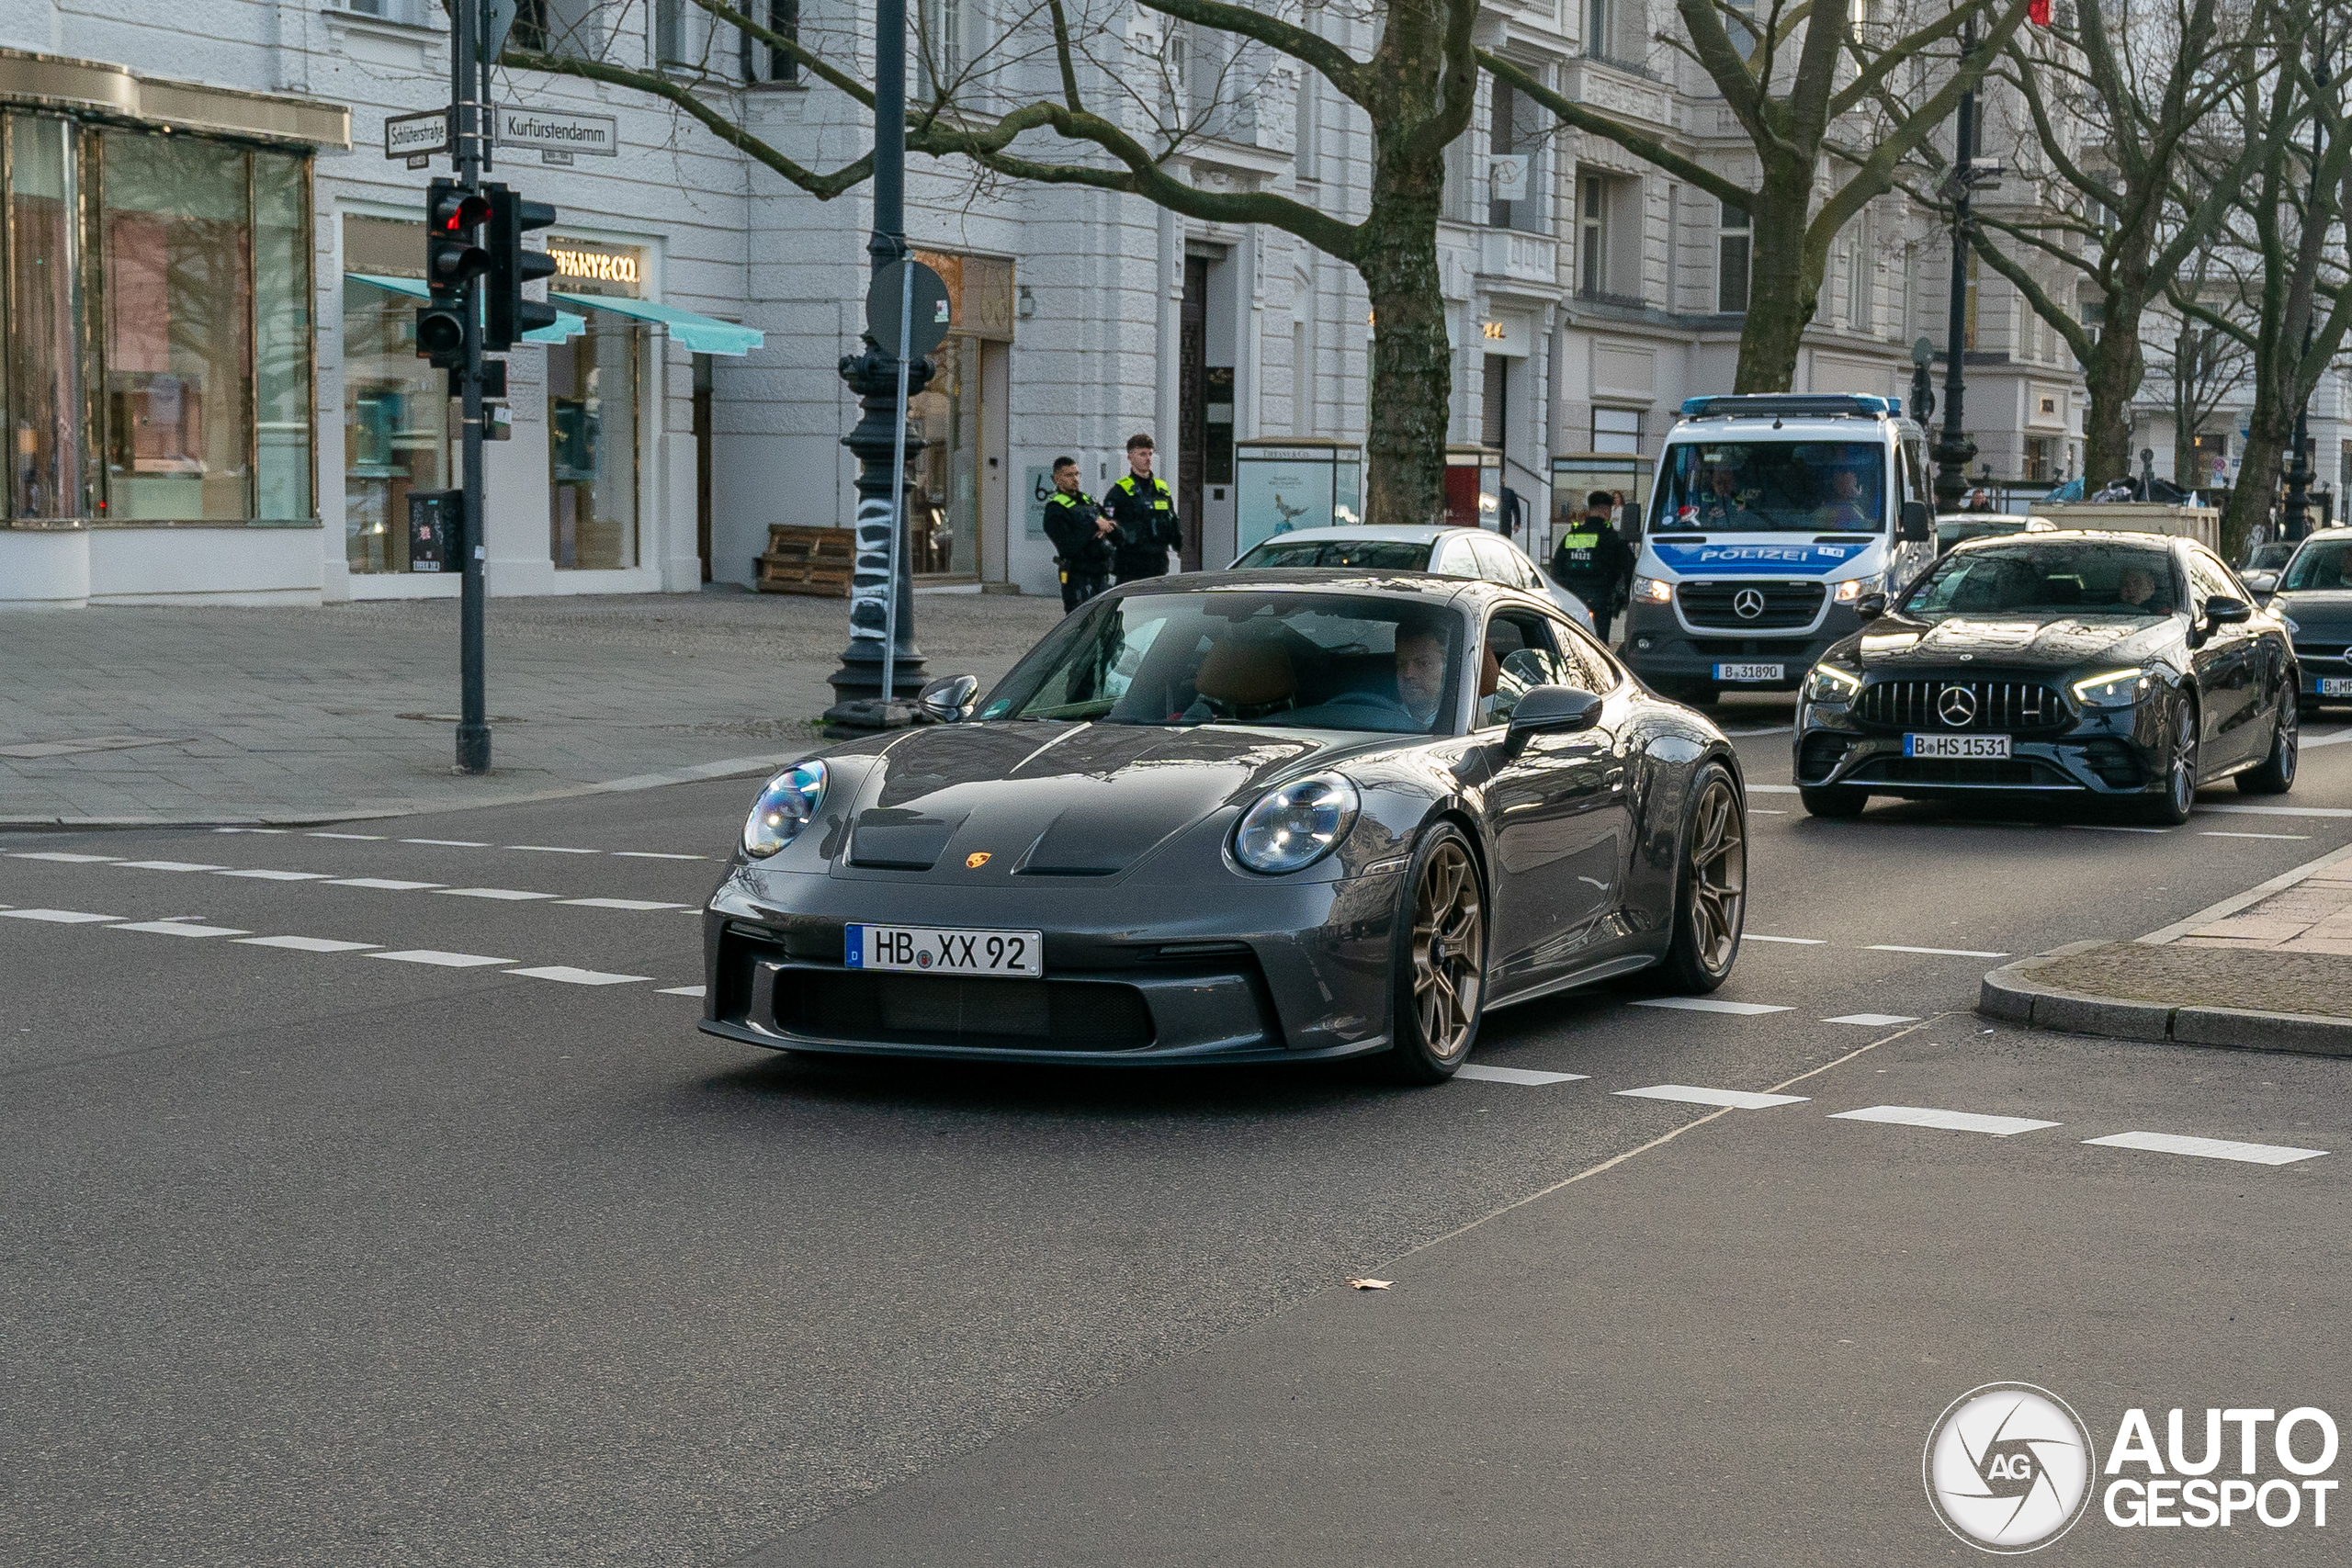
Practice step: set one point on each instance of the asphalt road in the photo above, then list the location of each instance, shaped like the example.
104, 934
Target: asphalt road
311, 1257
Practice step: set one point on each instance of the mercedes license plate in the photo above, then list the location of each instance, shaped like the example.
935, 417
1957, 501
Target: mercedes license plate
1955, 745
1751, 671
932, 950
2335, 686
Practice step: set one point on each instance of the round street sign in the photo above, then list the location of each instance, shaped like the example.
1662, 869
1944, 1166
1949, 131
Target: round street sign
928, 328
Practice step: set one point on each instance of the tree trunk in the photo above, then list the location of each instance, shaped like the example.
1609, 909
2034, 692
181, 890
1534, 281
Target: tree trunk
1783, 285
2270, 430
1412, 365
2111, 377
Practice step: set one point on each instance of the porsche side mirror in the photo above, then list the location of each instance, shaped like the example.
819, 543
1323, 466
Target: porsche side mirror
1550, 710
1870, 606
2225, 612
951, 699
1917, 524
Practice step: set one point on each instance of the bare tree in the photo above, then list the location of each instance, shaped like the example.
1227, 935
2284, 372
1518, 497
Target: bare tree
2199, 369
1803, 81
1133, 107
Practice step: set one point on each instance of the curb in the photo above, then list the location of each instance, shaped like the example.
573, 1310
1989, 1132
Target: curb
2011, 993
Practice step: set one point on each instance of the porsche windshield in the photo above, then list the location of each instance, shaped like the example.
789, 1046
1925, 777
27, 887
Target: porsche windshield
1744, 487
2034, 579
1296, 660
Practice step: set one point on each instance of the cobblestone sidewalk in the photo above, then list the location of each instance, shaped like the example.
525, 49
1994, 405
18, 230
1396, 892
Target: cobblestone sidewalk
210, 715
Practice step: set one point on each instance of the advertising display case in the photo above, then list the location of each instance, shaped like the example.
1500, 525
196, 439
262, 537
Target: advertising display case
1282, 485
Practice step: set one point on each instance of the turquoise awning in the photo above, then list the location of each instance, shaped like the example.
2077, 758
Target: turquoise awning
567, 325
698, 335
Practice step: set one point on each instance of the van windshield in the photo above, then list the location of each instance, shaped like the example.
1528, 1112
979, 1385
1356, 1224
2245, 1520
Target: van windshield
1744, 487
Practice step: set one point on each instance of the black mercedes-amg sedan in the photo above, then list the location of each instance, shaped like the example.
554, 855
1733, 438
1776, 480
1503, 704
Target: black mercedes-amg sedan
2128, 666
1272, 816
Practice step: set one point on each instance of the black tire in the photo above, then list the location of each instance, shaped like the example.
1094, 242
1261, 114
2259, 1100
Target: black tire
1710, 886
1833, 800
2172, 807
1441, 961
2277, 773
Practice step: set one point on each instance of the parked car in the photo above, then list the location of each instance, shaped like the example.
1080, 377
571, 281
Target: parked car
1953, 527
2313, 600
2262, 564
1449, 552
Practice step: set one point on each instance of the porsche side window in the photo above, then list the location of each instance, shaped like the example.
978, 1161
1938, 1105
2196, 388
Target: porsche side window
1517, 658
1586, 665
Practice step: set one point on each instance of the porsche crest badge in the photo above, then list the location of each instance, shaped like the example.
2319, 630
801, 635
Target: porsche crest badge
976, 860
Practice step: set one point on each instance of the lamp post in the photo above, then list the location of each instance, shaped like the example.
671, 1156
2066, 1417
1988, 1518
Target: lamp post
882, 572
1953, 448
2294, 515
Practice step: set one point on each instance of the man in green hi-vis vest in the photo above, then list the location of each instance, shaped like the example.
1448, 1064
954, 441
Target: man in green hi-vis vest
1592, 563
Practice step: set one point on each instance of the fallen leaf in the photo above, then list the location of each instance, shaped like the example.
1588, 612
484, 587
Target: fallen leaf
1370, 1284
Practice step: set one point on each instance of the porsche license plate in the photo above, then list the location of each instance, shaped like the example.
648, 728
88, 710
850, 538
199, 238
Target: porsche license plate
932, 950
1955, 745
2335, 686
1751, 671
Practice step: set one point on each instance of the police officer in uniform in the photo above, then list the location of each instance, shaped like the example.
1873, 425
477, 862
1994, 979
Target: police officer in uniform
1084, 539
1145, 509
1591, 561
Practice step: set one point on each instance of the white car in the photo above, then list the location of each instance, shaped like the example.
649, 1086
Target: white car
1449, 552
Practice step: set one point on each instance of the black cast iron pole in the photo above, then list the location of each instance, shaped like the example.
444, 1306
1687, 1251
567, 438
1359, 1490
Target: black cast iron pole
473, 710
2294, 515
1954, 450
859, 700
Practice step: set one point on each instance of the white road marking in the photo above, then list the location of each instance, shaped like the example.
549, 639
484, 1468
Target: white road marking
2334, 738
280, 876
2111, 827
177, 928
1744, 734
60, 855
2210, 834
1938, 952
1763, 811
2278, 810
552, 850
445, 960
1794, 940
1737, 1099
650, 854
167, 865
2207, 1149
452, 843
1707, 1004
389, 885
1527, 1078
1771, 789
60, 917
253, 830
1950, 1120
694, 991
621, 904
1872, 1019
512, 894
363, 838
306, 943
571, 976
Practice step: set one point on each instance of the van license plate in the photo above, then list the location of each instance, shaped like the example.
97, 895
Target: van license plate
1955, 745
930, 950
1751, 671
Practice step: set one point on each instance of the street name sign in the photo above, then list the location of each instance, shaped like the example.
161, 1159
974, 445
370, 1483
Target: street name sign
556, 130
417, 135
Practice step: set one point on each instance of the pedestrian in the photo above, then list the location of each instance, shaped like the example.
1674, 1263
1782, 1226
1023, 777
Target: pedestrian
1592, 563
1084, 539
1144, 509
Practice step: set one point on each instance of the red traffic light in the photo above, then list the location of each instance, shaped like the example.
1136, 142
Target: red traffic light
456, 213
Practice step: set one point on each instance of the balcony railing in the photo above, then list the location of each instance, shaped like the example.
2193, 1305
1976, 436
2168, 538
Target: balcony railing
1630, 67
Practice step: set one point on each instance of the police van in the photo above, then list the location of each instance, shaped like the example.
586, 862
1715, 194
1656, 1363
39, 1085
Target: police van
1774, 521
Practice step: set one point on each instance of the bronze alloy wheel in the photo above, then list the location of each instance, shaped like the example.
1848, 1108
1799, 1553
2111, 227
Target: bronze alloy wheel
1718, 861
1449, 952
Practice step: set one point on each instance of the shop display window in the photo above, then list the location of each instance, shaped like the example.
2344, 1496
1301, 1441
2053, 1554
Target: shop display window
944, 493
591, 445
49, 474
395, 406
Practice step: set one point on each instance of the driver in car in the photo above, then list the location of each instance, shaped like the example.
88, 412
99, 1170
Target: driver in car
1844, 510
2136, 590
1420, 672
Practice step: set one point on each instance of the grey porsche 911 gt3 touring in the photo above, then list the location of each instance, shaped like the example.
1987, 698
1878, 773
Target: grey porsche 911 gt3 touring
1244, 816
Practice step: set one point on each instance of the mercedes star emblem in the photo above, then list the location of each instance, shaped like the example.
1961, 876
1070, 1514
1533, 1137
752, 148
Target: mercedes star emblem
1748, 603
1957, 707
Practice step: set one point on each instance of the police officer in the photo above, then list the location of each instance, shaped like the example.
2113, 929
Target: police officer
1591, 561
1084, 539
1145, 509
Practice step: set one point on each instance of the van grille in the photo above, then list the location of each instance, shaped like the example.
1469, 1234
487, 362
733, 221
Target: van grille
1715, 605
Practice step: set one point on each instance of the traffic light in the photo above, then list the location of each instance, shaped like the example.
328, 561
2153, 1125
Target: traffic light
452, 216
512, 267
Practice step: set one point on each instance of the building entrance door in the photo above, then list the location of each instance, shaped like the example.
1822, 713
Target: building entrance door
1193, 404
702, 461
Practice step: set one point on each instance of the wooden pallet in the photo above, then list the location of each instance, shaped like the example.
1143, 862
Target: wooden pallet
809, 560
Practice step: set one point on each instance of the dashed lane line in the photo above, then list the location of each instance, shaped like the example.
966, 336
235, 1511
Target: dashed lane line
307, 943
355, 838
553, 850
2206, 1149
176, 928
571, 976
655, 854
448, 844
283, 875
1872, 1019
1527, 1078
472, 844
61, 856
383, 883
1689, 1094
685, 991
1708, 1004
1934, 952
2300, 838
442, 960
510, 895
1792, 941
640, 904
167, 865
1950, 1120
61, 917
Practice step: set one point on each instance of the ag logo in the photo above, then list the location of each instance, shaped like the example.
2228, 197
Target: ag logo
2008, 1467
1748, 603
976, 860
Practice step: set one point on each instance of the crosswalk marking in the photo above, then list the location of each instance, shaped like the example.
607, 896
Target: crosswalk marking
1707, 1004
61, 917
571, 976
2206, 1149
511, 895
441, 960
1527, 1078
176, 928
682, 990
386, 884
1737, 1099
1792, 941
621, 904
167, 865
1950, 1120
306, 943
281, 875
66, 856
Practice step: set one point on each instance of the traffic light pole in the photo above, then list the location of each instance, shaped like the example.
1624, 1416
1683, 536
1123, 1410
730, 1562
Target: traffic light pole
473, 710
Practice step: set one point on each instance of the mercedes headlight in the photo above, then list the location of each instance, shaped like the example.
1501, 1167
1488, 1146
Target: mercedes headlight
1829, 683
1296, 825
1652, 591
1854, 588
787, 805
2113, 688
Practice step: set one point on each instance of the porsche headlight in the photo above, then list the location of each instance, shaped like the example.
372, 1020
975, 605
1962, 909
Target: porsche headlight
787, 805
2113, 688
1293, 827
2289, 622
1827, 684
1652, 591
1854, 588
